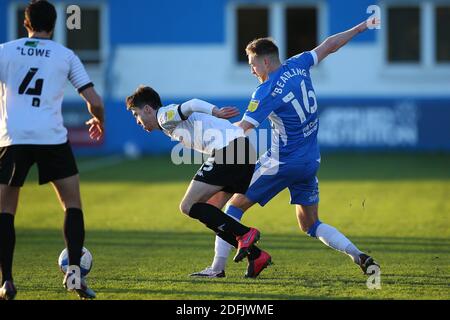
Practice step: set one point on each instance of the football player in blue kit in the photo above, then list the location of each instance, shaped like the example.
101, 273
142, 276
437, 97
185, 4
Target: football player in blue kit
286, 96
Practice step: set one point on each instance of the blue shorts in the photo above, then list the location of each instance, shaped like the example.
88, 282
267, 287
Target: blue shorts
271, 177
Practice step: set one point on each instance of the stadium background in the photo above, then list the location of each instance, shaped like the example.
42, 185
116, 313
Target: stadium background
388, 89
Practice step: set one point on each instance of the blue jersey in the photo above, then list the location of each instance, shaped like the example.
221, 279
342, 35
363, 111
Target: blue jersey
287, 98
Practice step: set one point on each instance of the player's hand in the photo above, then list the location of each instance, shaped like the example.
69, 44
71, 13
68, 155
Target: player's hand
96, 130
373, 23
225, 112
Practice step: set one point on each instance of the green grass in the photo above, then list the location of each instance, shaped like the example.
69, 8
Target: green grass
397, 207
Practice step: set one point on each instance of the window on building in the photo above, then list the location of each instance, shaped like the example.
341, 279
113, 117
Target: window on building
252, 23
85, 42
301, 30
443, 34
20, 30
404, 34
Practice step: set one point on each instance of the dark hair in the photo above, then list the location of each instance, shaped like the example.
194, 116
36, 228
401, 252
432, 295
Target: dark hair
40, 15
142, 96
262, 46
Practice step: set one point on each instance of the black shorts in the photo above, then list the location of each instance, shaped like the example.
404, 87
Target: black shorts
231, 167
54, 162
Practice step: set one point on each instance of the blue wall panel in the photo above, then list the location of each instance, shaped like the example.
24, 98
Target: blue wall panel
350, 124
385, 123
343, 15
3, 20
167, 22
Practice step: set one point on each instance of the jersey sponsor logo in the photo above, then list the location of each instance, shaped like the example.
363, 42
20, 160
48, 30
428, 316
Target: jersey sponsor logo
253, 105
32, 44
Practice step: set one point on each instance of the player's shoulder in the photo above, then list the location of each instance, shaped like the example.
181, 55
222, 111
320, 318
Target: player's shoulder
301, 55
62, 49
263, 91
167, 113
13, 43
38, 43
306, 58
169, 107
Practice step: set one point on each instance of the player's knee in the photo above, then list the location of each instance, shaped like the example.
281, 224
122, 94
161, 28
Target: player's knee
185, 207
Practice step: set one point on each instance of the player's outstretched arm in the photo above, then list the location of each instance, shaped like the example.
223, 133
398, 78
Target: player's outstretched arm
197, 105
335, 42
95, 106
225, 112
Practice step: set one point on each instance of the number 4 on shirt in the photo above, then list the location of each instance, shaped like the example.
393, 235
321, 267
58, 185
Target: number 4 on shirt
36, 91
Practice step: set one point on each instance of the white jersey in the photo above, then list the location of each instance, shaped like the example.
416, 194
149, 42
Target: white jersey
33, 76
200, 131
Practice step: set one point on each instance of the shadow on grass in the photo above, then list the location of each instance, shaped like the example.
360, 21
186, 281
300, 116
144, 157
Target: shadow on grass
334, 167
162, 240
199, 241
171, 256
170, 294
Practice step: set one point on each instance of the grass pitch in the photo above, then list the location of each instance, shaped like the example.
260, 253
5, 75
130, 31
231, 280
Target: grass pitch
396, 207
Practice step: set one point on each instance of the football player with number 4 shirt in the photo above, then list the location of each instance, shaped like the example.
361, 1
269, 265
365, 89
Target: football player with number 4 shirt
33, 76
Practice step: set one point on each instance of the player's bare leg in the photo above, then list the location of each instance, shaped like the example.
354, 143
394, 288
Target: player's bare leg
68, 192
220, 199
9, 197
198, 192
308, 221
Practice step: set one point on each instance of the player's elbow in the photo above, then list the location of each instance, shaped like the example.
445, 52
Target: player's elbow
332, 44
188, 106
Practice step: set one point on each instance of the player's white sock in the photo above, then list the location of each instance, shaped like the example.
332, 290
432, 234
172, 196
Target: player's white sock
336, 240
223, 248
222, 251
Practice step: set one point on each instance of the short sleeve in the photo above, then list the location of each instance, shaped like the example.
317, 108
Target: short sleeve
305, 59
78, 75
260, 106
169, 117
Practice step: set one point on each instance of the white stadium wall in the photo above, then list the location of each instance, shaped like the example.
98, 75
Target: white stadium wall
206, 71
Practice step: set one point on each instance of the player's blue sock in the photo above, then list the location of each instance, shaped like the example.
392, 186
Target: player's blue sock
235, 212
312, 230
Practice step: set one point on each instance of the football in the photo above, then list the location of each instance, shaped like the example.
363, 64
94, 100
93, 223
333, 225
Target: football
85, 263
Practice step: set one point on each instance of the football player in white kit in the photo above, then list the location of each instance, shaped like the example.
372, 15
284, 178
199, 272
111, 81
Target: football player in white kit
33, 76
198, 125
